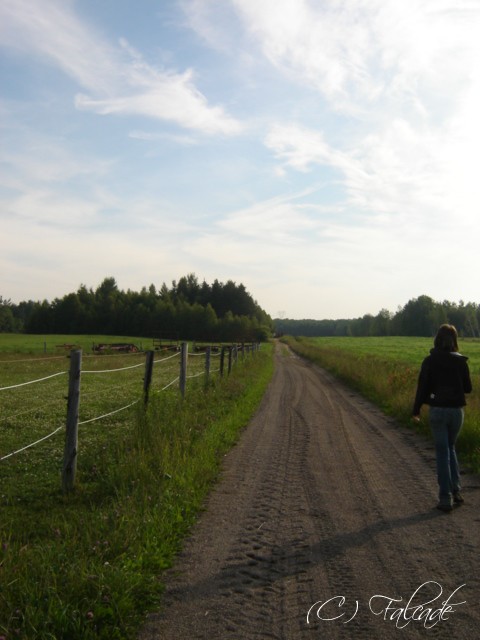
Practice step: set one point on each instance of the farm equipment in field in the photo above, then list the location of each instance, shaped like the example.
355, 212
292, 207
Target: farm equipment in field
116, 347
201, 348
165, 345
68, 346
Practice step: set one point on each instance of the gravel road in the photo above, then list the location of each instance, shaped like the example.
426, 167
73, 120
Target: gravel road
324, 525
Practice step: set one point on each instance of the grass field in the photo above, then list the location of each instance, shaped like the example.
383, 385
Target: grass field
385, 370
20, 343
30, 412
88, 564
400, 349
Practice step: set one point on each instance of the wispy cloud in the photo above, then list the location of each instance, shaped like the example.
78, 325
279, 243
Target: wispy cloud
52, 31
298, 147
166, 97
282, 220
407, 83
119, 80
184, 140
368, 52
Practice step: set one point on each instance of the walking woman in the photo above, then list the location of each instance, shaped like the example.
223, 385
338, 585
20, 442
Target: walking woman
443, 381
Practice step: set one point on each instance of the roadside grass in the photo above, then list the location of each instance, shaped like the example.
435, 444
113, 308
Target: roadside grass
89, 564
385, 370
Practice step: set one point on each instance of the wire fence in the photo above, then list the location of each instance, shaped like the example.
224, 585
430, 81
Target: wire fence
100, 391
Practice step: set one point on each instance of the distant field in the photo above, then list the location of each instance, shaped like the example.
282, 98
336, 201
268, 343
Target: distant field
55, 344
398, 348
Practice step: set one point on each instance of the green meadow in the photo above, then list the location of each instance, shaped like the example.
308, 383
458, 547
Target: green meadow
398, 348
385, 370
20, 343
89, 564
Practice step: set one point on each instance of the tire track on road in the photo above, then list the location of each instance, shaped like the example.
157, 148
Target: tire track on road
323, 496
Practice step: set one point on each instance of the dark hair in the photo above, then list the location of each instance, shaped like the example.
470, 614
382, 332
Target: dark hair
446, 338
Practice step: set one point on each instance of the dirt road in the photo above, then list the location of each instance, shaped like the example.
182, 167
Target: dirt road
324, 506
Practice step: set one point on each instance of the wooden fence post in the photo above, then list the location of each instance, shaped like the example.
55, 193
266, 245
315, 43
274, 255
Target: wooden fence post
147, 380
222, 361
183, 368
208, 355
71, 437
230, 350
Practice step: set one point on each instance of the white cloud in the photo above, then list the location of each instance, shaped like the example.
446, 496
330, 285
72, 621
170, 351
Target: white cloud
213, 21
121, 82
39, 160
51, 29
184, 140
171, 97
298, 147
369, 51
404, 174
325, 48
406, 79
281, 220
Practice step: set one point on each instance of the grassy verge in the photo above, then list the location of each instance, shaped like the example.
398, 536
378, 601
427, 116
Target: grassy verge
89, 565
389, 379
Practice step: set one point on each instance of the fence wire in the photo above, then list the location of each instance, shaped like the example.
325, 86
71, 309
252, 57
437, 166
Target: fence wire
106, 415
24, 384
133, 366
96, 393
28, 446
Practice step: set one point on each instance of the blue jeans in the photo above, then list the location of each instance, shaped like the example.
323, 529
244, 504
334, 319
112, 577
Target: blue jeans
446, 423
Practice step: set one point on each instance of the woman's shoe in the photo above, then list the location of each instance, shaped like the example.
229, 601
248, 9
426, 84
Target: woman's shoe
444, 506
458, 498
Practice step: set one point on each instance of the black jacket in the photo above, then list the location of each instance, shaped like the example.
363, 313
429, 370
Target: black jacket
443, 381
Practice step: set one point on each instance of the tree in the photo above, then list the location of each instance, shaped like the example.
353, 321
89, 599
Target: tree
418, 317
187, 310
67, 314
7, 320
41, 319
188, 289
471, 325
106, 298
381, 323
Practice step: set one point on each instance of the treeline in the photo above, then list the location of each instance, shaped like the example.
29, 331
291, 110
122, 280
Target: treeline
419, 317
187, 310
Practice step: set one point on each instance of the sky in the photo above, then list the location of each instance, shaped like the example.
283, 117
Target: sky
323, 153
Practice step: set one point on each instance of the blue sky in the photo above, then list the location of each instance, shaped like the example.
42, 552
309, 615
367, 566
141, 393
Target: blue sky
322, 153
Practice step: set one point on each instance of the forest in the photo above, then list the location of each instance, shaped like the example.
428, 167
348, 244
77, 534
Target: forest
192, 310
419, 317
187, 310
